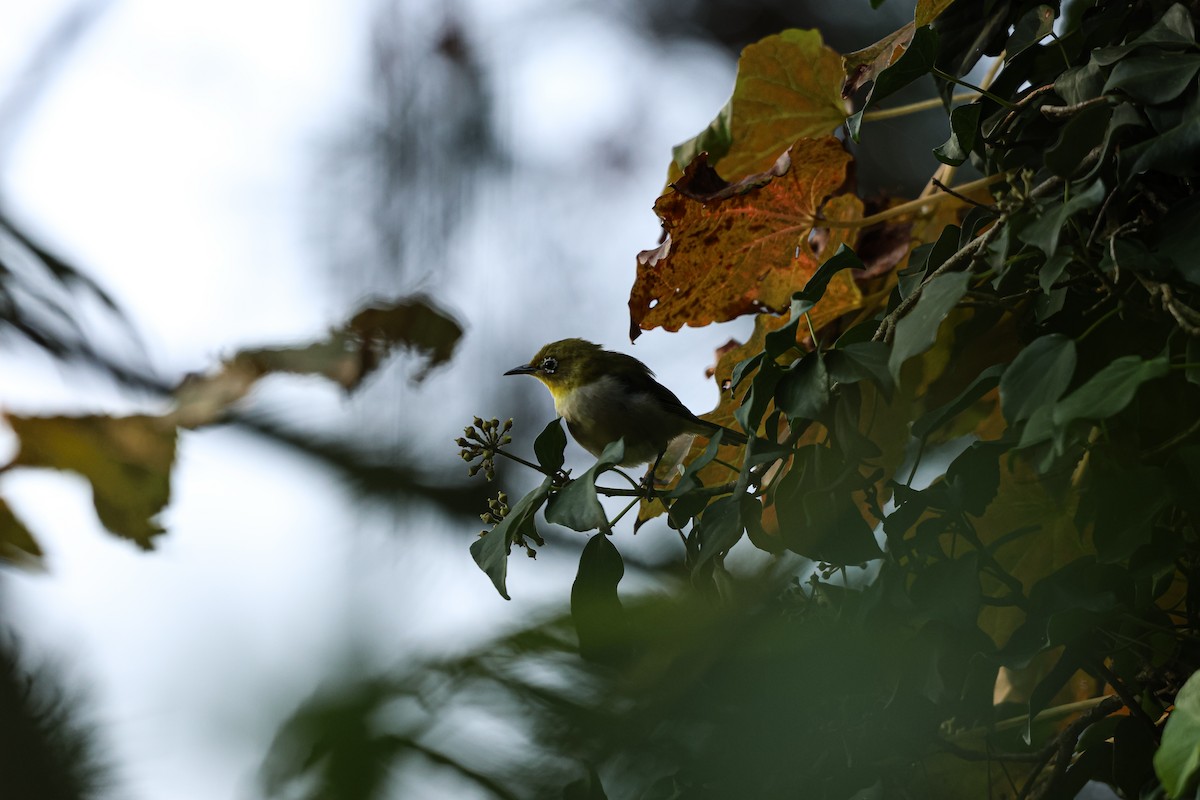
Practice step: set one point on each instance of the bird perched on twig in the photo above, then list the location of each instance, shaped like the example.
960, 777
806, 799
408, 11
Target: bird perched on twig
605, 396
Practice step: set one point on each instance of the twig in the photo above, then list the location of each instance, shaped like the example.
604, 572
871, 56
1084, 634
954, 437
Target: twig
960, 196
966, 254
1062, 112
1131, 702
1066, 742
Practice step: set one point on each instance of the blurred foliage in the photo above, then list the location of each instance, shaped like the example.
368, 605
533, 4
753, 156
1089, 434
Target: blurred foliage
128, 460
47, 750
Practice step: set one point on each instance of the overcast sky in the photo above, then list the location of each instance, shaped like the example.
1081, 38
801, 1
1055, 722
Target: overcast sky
174, 158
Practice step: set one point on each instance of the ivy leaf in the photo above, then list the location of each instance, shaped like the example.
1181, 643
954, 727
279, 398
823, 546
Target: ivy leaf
1083, 132
864, 65
127, 460
734, 254
548, 447
719, 529
917, 61
1173, 151
964, 129
1109, 390
1154, 79
595, 607
1177, 762
17, 545
861, 361
1037, 377
491, 550
973, 478
1173, 29
1033, 26
949, 591
788, 87
916, 332
1121, 502
803, 391
930, 421
576, 505
1044, 231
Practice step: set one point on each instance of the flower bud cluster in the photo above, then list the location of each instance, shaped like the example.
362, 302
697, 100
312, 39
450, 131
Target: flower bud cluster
497, 510
481, 440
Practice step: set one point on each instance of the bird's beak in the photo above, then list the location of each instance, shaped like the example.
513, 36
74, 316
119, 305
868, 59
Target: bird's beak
524, 369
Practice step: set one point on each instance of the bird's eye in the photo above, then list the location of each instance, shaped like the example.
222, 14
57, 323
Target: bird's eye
549, 364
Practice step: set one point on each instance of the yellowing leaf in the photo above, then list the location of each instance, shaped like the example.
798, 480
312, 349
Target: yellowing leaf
863, 65
17, 545
127, 460
739, 254
347, 356
788, 87
1025, 501
929, 10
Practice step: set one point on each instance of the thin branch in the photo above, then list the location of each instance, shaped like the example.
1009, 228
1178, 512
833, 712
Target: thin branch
963, 257
912, 108
1067, 740
960, 196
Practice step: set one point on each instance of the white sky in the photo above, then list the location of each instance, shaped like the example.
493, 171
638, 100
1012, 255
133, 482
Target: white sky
172, 158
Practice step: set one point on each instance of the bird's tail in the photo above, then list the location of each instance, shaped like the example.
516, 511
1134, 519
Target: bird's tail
728, 435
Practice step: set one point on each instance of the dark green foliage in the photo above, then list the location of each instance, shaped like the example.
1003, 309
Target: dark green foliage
992, 470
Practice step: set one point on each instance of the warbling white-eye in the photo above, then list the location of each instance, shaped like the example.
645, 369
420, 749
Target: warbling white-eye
605, 396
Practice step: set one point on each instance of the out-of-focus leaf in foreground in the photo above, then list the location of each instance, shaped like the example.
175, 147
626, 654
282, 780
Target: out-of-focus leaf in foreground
127, 460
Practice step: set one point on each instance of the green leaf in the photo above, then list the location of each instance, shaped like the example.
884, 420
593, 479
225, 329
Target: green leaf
1052, 270
1156, 78
1174, 151
719, 529
549, 445
861, 361
1043, 232
1037, 377
1082, 132
973, 478
1122, 502
762, 390
964, 130
1177, 762
918, 60
576, 505
984, 382
1079, 84
803, 391
1173, 29
807, 298
1109, 390
1033, 26
916, 332
491, 550
950, 591
595, 607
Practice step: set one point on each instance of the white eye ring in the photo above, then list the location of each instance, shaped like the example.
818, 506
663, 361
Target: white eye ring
549, 364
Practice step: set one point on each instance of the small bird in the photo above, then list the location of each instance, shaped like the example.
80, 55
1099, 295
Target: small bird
605, 396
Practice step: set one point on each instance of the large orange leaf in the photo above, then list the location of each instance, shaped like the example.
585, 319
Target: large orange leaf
788, 86
735, 249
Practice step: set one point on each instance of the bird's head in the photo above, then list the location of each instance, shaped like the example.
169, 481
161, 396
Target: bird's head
565, 365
